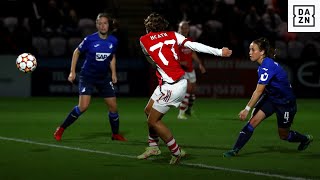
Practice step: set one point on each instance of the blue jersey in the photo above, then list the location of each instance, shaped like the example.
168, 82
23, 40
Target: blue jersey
278, 87
99, 53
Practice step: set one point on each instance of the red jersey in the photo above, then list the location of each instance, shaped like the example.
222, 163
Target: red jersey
163, 50
186, 56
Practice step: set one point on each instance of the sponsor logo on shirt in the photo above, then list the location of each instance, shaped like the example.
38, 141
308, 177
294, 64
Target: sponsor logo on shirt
102, 56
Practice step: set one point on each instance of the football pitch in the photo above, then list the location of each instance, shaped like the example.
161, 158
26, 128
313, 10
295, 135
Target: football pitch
28, 150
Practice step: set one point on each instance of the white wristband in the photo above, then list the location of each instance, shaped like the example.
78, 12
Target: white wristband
247, 108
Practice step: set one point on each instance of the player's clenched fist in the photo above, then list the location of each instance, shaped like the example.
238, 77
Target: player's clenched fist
226, 52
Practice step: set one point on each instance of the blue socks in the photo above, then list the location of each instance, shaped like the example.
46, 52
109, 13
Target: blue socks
72, 117
296, 137
244, 136
114, 122
75, 113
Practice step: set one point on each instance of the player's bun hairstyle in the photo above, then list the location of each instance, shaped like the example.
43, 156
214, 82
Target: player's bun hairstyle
181, 24
110, 20
264, 44
155, 23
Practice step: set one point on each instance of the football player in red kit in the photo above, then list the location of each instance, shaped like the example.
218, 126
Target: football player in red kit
161, 49
187, 56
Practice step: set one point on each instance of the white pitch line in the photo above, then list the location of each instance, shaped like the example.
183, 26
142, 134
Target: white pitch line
134, 157
66, 147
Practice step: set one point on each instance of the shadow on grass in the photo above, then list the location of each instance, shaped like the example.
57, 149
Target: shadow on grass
215, 118
313, 156
271, 149
92, 135
96, 136
204, 147
165, 157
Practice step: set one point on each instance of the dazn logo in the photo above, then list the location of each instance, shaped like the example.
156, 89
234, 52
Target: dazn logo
303, 16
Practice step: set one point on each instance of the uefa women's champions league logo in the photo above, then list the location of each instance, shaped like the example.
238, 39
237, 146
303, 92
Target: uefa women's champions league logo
303, 16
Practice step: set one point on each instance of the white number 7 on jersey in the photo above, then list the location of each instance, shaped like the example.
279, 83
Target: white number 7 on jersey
160, 54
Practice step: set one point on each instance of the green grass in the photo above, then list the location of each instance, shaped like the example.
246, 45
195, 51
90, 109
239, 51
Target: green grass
87, 152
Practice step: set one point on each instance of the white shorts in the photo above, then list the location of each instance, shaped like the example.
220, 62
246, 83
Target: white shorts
190, 76
168, 95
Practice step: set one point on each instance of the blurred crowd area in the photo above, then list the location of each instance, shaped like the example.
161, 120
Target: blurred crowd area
56, 27
235, 23
45, 27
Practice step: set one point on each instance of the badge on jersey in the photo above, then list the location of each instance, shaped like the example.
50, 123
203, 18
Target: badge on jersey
264, 76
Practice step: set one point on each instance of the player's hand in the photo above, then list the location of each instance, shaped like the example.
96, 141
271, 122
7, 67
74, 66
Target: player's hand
243, 114
71, 77
114, 78
226, 52
202, 69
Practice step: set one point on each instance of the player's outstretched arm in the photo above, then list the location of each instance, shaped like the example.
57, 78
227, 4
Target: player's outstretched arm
199, 47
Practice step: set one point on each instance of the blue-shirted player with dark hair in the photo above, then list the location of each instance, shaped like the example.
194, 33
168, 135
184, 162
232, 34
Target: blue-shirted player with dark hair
100, 62
273, 94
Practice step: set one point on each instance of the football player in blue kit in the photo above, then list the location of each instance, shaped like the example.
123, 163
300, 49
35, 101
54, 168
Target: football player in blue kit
100, 62
273, 94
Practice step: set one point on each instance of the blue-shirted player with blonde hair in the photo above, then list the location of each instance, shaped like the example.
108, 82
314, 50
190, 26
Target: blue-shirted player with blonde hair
273, 94
100, 61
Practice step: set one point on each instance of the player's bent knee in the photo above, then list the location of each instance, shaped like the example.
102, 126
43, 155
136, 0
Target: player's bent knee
83, 108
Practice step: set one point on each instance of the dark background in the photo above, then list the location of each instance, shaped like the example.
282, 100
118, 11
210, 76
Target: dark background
51, 29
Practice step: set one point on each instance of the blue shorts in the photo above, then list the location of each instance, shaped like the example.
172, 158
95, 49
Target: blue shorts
88, 86
285, 112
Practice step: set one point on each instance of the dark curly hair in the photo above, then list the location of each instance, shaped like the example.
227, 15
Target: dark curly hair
155, 23
264, 44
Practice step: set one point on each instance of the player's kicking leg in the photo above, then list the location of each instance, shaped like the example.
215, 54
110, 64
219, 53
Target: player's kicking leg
70, 119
